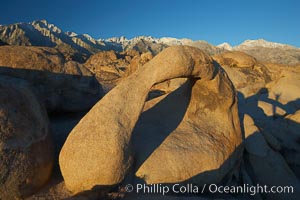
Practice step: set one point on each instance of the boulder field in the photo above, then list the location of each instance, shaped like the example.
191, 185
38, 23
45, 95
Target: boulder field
178, 117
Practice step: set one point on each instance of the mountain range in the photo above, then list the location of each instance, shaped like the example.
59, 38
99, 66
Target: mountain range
81, 46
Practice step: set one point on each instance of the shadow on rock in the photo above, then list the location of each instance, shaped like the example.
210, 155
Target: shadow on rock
60, 92
272, 149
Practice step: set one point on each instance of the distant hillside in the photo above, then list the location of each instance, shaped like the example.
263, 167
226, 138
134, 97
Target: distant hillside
270, 51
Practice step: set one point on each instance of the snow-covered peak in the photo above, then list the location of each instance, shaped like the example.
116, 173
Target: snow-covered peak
261, 43
43, 24
86, 37
169, 41
119, 40
186, 41
43, 21
71, 34
145, 38
175, 41
225, 45
124, 41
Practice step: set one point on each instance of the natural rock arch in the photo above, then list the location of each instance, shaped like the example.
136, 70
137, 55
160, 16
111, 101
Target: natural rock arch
98, 150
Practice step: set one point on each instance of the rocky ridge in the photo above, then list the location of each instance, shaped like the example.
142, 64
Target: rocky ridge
81, 46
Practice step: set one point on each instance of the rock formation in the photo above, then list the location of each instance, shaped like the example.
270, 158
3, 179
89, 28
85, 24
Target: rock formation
262, 161
108, 66
138, 61
181, 138
98, 151
60, 85
246, 73
236, 59
26, 148
286, 88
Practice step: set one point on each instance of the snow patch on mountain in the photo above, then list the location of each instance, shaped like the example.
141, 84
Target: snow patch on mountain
261, 43
42, 33
225, 46
71, 34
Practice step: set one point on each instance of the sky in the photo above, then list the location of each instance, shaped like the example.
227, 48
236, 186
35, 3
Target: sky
215, 21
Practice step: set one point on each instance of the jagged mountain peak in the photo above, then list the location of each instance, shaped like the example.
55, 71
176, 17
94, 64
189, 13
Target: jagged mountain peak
225, 46
86, 36
138, 39
43, 24
43, 33
121, 39
71, 34
40, 21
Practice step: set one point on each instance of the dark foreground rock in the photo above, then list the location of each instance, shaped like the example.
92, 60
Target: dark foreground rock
26, 148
